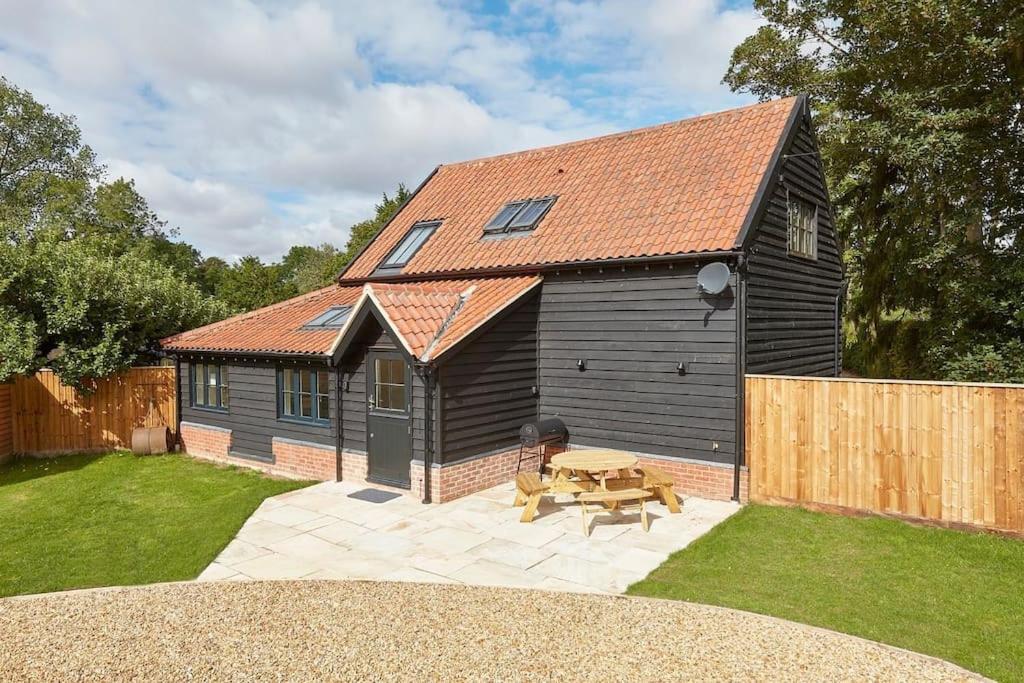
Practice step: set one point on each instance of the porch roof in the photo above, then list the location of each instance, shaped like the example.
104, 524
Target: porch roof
427, 318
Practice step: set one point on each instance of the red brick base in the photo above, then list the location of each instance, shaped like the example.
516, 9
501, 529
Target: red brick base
292, 459
205, 442
353, 467
700, 479
704, 480
449, 482
305, 460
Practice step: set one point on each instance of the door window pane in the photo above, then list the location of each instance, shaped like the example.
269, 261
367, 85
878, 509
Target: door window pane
389, 384
398, 397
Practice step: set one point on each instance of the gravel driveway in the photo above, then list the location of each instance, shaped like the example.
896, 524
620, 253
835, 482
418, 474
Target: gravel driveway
334, 630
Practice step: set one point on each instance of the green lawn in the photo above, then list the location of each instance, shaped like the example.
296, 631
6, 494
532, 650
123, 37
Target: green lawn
954, 595
99, 520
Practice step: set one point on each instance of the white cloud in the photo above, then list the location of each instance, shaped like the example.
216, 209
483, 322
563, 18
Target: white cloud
665, 54
256, 126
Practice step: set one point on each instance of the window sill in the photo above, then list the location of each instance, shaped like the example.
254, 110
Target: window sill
208, 409
803, 257
305, 422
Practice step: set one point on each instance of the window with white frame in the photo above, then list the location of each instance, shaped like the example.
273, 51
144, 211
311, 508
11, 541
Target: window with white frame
803, 228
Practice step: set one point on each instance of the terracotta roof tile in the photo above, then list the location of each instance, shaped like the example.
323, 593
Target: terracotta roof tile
433, 316
675, 188
275, 329
429, 317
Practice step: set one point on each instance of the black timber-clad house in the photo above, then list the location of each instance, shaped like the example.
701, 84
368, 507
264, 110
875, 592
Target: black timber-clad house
558, 282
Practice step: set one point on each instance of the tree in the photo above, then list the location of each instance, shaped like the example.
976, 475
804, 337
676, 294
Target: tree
308, 268
251, 284
87, 311
365, 231
43, 163
918, 106
89, 276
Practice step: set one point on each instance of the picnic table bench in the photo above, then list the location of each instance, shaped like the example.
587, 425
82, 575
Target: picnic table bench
626, 498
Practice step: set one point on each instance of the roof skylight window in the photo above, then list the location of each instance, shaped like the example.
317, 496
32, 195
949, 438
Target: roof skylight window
519, 216
417, 236
332, 319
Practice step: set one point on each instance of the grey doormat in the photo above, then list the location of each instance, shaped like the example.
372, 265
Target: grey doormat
374, 495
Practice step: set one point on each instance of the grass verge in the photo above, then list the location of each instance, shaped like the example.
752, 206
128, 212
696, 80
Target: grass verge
954, 595
80, 521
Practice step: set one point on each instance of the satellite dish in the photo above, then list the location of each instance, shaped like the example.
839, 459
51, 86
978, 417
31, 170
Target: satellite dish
713, 278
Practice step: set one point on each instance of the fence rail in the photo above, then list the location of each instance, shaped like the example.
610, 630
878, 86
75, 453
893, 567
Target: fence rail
942, 451
50, 417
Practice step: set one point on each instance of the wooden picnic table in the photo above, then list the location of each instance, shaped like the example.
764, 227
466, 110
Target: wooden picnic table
584, 470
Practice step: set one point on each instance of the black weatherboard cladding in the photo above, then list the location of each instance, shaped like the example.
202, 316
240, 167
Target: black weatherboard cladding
791, 301
252, 412
632, 328
354, 391
487, 387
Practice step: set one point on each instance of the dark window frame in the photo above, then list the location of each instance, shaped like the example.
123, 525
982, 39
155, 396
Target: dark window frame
796, 233
317, 390
221, 402
507, 226
330, 322
430, 227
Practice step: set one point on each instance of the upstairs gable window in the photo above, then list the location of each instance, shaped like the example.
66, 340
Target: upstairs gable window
417, 236
803, 228
521, 215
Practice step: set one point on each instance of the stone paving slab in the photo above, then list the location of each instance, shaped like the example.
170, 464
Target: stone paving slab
321, 532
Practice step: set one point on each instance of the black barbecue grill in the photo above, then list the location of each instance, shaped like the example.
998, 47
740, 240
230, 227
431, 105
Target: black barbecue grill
540, 433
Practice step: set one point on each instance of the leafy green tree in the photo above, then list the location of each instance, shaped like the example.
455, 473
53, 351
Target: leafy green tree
44, 167
366, 230
307, 268
919, 113
251, 284
82, 308
89, 276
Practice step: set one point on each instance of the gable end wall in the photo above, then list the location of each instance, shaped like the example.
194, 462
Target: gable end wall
791, 301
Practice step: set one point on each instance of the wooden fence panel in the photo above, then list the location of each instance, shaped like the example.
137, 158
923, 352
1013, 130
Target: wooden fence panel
6, 423
948, 452
50, 417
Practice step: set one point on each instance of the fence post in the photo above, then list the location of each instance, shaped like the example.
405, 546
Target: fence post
6, 423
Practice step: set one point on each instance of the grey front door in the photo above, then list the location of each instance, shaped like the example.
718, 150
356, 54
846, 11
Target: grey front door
388, 425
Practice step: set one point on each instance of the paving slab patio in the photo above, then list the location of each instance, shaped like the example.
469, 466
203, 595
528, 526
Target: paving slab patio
323, 532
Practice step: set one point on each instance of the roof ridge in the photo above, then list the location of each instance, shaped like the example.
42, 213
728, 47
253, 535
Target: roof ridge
621, 134
248, 315
446, 323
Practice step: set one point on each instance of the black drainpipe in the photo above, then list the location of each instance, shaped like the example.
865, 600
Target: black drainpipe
339, 445
741, 371
837, 351
428, 428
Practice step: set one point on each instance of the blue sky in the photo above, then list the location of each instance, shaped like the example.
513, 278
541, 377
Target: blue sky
253, 126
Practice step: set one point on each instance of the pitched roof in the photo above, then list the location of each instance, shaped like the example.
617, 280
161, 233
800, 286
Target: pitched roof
432, 317
273, 329
676, 188
429, 318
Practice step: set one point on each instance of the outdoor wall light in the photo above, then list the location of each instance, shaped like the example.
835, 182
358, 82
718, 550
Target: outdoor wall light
581, 364
681, 368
